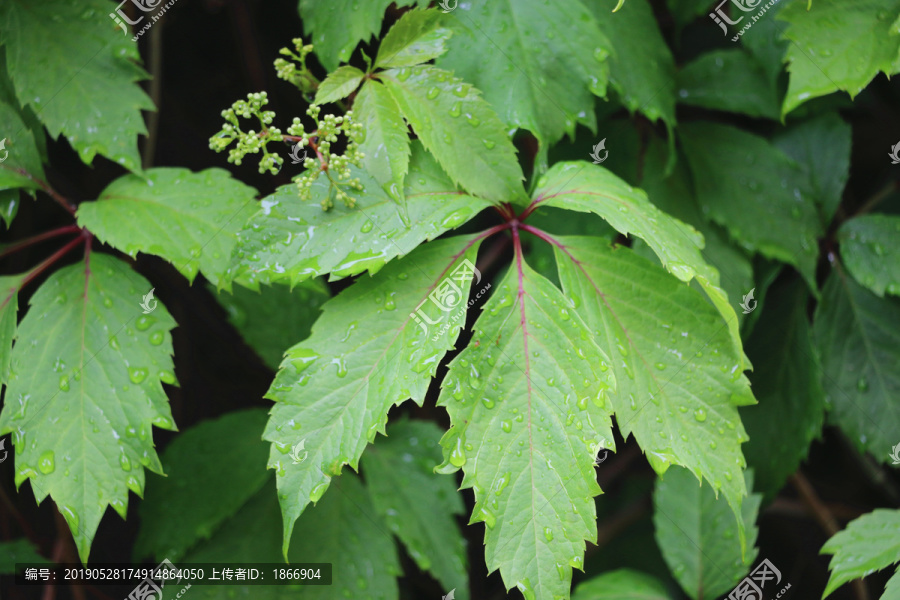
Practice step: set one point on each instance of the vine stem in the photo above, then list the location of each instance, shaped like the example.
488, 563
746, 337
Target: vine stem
68, 206
39, 238
43, 267
878, 197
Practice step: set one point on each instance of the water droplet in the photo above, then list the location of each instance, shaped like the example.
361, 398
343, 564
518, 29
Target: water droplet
433, 93
137, 374
317, 492
46, 462
157, 337
64, 383
700, 415
367, 226
144, 322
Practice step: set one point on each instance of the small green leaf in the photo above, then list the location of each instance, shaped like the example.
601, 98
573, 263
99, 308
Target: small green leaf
870, 250
189, 219
9, 206
416, 504
339, 84
698, 536
621, 584
18, 551
82, 82
368, 351
86, 397
838, 46
21, 166
868, 544
857, 337
415, 38
212, 470
460, 129
386, 146
9, 309
730, 80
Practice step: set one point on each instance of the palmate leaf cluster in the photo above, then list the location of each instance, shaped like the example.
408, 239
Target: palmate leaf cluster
619, 302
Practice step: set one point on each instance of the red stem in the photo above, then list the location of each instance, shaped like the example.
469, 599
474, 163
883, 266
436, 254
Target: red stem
68, 206
39, 238
44, 266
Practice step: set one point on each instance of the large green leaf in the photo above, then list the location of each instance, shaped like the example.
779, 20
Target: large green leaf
386, 146
292, 240
584, 187
459, 128
82, 81
415, 38
698, 535
679, 379
621, 584
276, 317
195, 499
870, 250
750, 187
787, 382
419, 506
339, 84
84, 391
857, 337
189, 219
838, 46
537, 62
868, 544
21, 165
730, 80
367, 352
529, 411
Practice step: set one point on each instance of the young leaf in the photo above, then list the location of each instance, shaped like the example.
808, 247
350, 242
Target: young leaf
367, 352
189, 219
415, 38
99, 110
460, 129
339, 84
679, 380
698, 536
195, 498
386, 146
730, 80
870, 251
584, 187
292, 240
21, 166
86, 397
857, 337
747, 185
9, 310
9, 206
787, 382
276, 317
417, 505
545, 87
868, 544
621, 584
529, 410
838, 46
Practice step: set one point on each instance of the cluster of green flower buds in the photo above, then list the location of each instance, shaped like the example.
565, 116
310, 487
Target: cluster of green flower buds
294, 70
249, 142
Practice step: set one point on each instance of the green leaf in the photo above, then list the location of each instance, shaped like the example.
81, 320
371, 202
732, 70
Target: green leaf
386, 146
529, 411
21, 166
9, 206
558, 221
194, 499
292, 240
685, 12
870, 251
868, 544
764, 42
821, 146
18, 551
82, 82
339, 84
460, 129
750, 187
730, 80
621, 584
679, 379
641, 67
537, 62
698, 536
9, 310
417, 505
415, 38
366, 353
892, 589
787, 382
857, 337
583, 187
189, 219
838, 46
276, 317
84, 391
